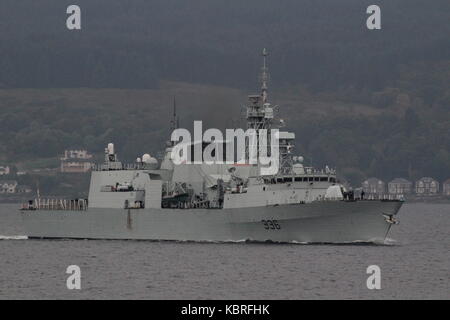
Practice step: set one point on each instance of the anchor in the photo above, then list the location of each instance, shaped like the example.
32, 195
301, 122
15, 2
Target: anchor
390, 218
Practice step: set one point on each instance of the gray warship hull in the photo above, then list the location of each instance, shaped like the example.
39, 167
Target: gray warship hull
317, 222
234, 198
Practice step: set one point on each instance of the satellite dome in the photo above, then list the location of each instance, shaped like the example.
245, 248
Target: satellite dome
145, 157
148, 159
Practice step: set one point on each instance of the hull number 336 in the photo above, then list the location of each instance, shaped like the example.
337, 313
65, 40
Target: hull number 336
271, 224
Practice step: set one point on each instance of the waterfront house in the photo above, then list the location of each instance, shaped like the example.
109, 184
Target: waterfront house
76, 161
427, 186
400, 187
8, 186
374, 187
446, 188
4, 170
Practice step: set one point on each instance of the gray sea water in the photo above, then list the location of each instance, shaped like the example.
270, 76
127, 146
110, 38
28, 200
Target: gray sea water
415, 265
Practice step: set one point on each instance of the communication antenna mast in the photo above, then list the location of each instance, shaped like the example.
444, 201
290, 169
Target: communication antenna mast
259, 111
264, 77
174, 121
38, 193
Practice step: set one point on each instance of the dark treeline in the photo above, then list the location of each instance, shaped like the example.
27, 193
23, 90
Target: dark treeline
400, 73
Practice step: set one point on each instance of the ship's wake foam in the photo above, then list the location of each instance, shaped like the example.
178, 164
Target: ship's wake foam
16, 237
376, 242
389, 242
370, 242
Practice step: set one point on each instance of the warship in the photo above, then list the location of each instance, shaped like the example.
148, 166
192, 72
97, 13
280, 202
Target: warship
220, 202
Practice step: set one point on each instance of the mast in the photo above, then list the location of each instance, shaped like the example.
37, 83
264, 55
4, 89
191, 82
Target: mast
260, 115
264, 77
259, 110
174, 121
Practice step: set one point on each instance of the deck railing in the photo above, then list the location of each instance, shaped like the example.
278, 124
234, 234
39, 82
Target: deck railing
56, 204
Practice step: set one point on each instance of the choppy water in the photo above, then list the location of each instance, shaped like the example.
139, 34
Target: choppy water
415, 266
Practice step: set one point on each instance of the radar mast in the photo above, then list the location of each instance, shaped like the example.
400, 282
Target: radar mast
264, 77
174, 123
259, 111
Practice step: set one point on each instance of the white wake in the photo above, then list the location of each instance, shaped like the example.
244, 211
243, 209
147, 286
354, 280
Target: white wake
18, 237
